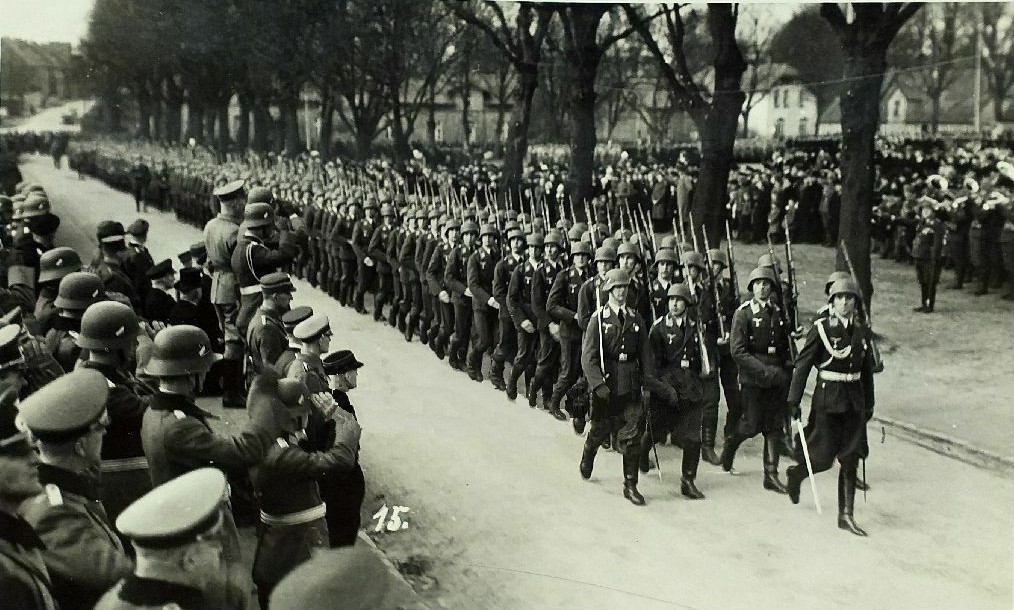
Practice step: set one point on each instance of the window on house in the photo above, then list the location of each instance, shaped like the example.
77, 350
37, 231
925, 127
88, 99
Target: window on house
438, 131
389, 133
779, 128
896, 111
776, 92
802, 97
803, 126
785, 98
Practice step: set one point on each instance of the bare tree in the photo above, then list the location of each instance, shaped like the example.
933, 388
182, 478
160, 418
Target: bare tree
865, 38
755, 42
717, 118
998, 53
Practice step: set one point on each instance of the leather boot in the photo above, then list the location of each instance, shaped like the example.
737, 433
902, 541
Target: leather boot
588, 458
512, 384
708, 443
410, 329
496, 376
771, 480
691, 460
630, 480
795, 475
846, 501
644, 453
392, 315
453, 352
233, 395
579, 424
729, 452
532, 391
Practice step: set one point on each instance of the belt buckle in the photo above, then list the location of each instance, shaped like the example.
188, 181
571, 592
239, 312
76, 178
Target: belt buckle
771, 349
622, 358
685, 363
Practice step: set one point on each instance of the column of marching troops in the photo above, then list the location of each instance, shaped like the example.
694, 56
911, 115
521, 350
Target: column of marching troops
639, 339
113, 482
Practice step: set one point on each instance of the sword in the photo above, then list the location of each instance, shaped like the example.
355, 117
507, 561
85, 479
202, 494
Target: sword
809, 467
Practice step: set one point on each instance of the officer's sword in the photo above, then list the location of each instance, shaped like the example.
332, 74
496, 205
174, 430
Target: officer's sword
809, 467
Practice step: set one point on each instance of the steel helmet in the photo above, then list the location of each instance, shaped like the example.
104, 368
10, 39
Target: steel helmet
681, 291
536, 240
108, 325
760, 273
695, 259
58, 263
605, 254
181, 350
258, 215
666, 256
554, 237
579, 248
719, 256
843, 286
627, 249
834, 277
79, 290
615, 278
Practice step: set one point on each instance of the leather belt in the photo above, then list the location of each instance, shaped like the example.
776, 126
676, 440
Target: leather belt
248, 290
296, 518
842, 377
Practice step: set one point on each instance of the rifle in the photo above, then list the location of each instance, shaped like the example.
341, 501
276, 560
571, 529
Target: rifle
609, 219
784, 309
591, 226
732, 263
679, 234
790, 272
693, 233
705, 358
878, 362
573, 216
723, 333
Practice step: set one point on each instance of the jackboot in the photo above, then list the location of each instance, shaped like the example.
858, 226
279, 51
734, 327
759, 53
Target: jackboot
691, 460
512, 384
771, 481
410, 330
392, 315
532, 390
579, 424
630, 479
708, 443
496, 376
233, 394
588, 458
795, 475
729, 452
846, 501
644, 453
453, 352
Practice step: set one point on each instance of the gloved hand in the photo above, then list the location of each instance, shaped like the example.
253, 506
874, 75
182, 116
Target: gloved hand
601, 392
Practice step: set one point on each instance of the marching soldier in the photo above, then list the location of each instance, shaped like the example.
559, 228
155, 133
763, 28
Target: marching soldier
423, 310
176, 532
592, 291
439, 335
265, 339
614, 355
377, 249
519, 304
109, 334
408, 273
696, 269
728, 372
456, 283
507, 341
395, 315
666, 262
759, 341
220, 237
342, 234
677, 392
362, 234
562, 306
843, 400
926, 251
548, 357
83, 554
485, 308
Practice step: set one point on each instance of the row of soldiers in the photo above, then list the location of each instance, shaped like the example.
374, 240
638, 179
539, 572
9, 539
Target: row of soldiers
112, 492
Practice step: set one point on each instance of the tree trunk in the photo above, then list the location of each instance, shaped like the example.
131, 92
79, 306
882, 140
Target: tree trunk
243, 132
935, 111
326, 124
582, 136
746, 122
262, 125
156, 119
400, 147
223, 135
860, 105
431, 123
144, 115
195, 121
516, 146
209, 124
290, 119
364, 145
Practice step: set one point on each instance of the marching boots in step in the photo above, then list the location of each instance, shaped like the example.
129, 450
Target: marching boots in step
847, 499
644, 453
512, 383
691, 459
732, 443
532, 391
496, 375
771, 481
588, 458
708, 431
795, 476
630, 478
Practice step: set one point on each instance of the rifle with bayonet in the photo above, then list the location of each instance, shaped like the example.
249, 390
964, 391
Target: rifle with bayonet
783, 309
878, 362
723, 333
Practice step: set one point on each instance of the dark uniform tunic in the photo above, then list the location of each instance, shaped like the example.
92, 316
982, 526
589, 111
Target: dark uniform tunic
843, 398
24, 579
562, 305
481, 269
548, 358
760, 346
507, 344
675, 382
519, 303
456, 282
252, 260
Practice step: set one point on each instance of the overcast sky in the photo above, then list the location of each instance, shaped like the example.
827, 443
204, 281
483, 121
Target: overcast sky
67, 20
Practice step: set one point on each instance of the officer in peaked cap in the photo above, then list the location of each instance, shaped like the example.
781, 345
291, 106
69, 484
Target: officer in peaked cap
231, 191
314, 337
137, 252
265, 338
176, 531
83, 553
53, 267
290, 320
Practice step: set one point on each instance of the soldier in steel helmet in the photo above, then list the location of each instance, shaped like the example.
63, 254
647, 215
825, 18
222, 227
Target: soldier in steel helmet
614, 355
838, 345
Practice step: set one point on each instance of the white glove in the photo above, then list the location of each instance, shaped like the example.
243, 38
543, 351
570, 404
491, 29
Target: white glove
493, 303
527, 326
444, 297
368, 261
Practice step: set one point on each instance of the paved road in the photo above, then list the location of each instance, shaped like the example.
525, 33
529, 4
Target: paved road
500, 517
51, 119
